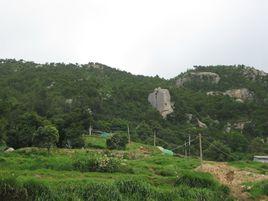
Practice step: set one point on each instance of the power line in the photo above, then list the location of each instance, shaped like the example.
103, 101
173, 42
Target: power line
185, 144
221, 150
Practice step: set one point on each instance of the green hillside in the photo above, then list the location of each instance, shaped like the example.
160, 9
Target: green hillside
71, 97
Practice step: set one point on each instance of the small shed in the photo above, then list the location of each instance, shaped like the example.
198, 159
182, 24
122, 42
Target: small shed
262, 159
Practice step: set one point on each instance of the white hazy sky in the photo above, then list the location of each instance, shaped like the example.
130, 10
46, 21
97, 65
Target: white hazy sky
149, 37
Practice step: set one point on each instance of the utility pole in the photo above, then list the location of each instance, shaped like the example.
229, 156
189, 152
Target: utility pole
128, 133
90, 130
201, 152
185, 149
154, 138
189, 144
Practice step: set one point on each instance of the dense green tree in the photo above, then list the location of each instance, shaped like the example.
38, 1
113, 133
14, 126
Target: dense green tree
237, 141
25, 127
144, 131
218, 151
46, 136
257, 145
73, 137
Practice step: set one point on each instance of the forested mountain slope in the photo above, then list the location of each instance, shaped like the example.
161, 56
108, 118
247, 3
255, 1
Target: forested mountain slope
72, 97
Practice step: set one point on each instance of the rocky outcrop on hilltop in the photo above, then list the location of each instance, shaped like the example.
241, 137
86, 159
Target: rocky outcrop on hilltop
253, 73
160, 99
240, 95
213, 78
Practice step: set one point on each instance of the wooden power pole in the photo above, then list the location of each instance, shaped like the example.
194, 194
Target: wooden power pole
128, 133
154, 139
185, 149
200, 150
90, 130
189, 144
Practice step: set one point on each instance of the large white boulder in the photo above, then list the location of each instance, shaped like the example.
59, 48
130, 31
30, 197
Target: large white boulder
160, 99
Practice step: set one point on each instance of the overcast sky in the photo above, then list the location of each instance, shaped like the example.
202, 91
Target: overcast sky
146, 37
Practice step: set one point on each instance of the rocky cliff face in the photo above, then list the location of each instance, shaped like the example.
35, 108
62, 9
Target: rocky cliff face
160, 99
240, 95
200, 76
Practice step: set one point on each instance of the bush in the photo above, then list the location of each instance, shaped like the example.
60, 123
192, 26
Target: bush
117, 141
127, 189
11, 190
197, 180
3, 146
97, 164
101, 192
259, 189
73, 138
135, 188
36, 190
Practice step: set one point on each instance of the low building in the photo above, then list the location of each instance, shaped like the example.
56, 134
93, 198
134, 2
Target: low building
262, 159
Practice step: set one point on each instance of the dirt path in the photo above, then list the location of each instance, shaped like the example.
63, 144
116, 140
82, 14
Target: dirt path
233, 178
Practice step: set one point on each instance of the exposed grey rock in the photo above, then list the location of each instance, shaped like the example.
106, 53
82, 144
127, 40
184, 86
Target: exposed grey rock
51, 85
201, 124
243, 94
69, 101
214, 93
10, 149
239, 100
189, 117
240, 95
253, 73
239, 125
228, 128
160, 99
95, 65
214, 78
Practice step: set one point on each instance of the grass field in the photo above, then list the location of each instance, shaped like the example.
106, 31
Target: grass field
139, 173
258, 167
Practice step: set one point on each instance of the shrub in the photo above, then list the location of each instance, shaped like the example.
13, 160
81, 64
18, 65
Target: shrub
3, 146
259, 189
101, 192
117, 141
11, 190
97, 164
196, 179
46, 136
73, 138
135, 188
36, 190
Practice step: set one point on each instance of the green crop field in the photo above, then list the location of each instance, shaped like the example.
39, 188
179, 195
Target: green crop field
139, 173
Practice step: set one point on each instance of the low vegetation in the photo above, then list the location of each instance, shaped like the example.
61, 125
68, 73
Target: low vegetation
100, 174
258, 189
258, 167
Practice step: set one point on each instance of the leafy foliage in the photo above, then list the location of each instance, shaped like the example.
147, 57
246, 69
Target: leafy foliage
117, 141
46, 136
218, 152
